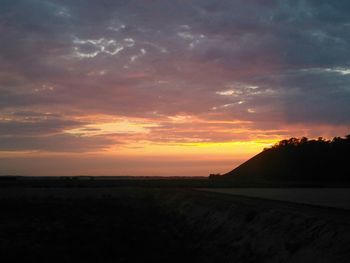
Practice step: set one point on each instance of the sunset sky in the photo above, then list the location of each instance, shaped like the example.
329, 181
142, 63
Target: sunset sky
158, 87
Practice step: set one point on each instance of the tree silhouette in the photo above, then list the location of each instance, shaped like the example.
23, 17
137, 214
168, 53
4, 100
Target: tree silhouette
299, 160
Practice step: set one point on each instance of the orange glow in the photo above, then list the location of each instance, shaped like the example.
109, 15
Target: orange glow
200, 149
156, 146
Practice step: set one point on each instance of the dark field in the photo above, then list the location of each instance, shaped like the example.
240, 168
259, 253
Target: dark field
147, 224
330, 197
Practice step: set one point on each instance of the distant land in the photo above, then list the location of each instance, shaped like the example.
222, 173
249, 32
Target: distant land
296, 161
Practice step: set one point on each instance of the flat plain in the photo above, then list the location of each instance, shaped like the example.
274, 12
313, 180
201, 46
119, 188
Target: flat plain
328, 197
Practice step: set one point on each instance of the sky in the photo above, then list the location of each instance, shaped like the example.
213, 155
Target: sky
166, 88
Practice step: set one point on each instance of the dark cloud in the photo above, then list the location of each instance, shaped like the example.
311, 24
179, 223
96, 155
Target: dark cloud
41, 127
55, 143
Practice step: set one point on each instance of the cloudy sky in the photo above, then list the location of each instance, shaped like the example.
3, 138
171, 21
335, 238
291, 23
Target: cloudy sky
158, 87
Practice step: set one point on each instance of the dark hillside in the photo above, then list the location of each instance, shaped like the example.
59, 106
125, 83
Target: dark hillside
298, 160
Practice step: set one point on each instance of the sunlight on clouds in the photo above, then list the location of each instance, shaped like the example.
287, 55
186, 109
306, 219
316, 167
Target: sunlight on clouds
138, 56
339, 70
118, 127
228, 92
342, 71
194, 39
181, 118
98, 46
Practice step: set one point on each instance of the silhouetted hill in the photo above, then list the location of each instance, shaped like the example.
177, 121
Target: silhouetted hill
298, 160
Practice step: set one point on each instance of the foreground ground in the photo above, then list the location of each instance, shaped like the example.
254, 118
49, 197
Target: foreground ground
330, 197
165, 225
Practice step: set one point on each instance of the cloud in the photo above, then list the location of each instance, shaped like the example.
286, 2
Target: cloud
55, 143
42, 127
268, 62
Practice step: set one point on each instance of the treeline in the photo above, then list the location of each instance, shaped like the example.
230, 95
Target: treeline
298, 160
321, 143
316, 159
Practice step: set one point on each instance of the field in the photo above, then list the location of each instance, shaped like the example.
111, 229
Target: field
148, 224
330, 197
